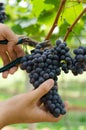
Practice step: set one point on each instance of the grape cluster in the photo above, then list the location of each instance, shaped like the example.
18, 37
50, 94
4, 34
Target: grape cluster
65, 58
43, 64
2, 13
79, 61
48, 63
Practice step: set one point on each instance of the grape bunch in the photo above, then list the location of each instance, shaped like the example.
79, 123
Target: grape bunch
65, 58
79, 61
48, 63
2, 13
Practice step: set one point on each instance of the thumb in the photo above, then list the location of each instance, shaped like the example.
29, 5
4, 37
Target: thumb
43, 89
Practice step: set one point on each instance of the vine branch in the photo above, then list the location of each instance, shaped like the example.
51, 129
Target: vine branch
56, 19
74, 23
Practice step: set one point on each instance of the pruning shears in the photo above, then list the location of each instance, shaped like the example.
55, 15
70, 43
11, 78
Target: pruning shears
25, 41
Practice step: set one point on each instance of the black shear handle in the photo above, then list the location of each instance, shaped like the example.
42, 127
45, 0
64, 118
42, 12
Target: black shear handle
11, 64
18, 60
20, 41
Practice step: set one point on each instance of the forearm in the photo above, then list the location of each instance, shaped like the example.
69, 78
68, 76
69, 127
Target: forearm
9, 113
2, 116
5, 114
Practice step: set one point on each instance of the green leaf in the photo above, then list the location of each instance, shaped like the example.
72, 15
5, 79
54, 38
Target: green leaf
63, 28
18, 0
54, 2
71, 11
47, 17
37, 7
17, 29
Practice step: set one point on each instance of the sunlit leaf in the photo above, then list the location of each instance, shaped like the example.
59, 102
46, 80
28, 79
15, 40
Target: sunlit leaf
72, 11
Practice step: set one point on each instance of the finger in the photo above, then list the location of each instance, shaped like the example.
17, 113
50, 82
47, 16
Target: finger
13, 56
13, 70
5, 60
11, 52
5, 74
18, 50
48, 117
42, 89
66, 103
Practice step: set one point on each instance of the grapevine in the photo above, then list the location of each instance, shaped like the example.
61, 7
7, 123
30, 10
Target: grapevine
45, 63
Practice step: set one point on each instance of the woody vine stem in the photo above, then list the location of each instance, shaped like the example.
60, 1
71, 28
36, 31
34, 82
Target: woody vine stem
55, 23
74, 23
62, 4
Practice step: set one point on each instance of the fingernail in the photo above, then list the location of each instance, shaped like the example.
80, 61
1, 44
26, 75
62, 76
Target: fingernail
50, 82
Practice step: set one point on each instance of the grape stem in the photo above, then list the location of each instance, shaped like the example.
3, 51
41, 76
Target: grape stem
74, 23
56, 19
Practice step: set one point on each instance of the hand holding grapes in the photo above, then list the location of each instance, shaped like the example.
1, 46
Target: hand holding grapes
26, 108
11, 51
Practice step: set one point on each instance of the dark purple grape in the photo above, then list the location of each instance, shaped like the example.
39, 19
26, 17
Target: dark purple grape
56, 112
1, 4
62, 45
58, 42
46, 76
79, 57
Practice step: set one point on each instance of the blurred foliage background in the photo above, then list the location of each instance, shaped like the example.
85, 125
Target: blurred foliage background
34, 18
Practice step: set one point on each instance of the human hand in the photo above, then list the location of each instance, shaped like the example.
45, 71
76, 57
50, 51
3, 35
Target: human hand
26, 108
11, 51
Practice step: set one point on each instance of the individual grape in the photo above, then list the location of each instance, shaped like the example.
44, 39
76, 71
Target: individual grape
24, 65
38, 70
62, 46
40, 59
63, 51
80, 51
52, 107
50, 56
32, 81
28, 69
51, 75
58, 42
67, 49
79, 57
35, 76
49, 61
46, 76
56, 112
1, 4
62, 57
41, 65
36, 84
41, 80
63, 111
